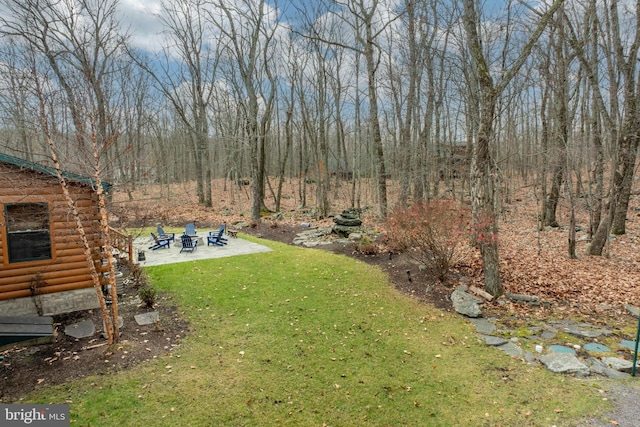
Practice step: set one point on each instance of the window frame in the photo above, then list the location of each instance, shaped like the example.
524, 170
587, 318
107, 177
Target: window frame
34, 235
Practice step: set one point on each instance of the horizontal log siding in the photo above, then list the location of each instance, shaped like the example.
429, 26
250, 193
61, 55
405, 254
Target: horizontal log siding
68, 269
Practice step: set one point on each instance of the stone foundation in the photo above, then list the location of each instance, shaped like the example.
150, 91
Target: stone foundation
52, 304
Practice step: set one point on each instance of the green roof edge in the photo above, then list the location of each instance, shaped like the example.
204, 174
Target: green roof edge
26, 164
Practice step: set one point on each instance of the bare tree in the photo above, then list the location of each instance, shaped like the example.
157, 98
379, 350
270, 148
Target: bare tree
483, 173
622, 57
247, 32
188, 84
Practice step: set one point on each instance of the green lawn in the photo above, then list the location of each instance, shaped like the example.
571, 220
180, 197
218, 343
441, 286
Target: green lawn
303, 337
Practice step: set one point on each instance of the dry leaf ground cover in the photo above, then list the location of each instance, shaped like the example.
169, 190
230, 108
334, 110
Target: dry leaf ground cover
304, 337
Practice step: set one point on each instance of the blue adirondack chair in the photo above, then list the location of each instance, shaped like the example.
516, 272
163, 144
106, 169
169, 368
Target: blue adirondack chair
214, 238
166, 236
188, 244
159, 243
217, 236
190, 230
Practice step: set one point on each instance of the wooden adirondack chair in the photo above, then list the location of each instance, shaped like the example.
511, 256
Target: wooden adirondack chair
190, 230
214, 239
165, 236
188, 244
217, 237
159, 243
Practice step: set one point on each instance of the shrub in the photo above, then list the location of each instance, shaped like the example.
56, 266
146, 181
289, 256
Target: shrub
147, 294
367, 246
432, 232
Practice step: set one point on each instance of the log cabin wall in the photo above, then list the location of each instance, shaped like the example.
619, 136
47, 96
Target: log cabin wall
47, 279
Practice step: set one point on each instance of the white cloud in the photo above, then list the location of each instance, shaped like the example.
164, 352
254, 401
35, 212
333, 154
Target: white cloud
140, 17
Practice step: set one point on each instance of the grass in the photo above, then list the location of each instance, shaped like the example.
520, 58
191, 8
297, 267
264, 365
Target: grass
301, 337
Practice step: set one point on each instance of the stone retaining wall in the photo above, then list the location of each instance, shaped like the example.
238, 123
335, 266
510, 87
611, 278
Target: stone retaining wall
52, 304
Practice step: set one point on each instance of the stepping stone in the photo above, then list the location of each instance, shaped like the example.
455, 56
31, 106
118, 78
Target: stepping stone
147, 318
594, 347
561, 349
530, 358
492, 341
618, 364
587, 331
564, 363
598, 367
633, 310
483, 326
512, 349
547, 335
631, 345
82, 329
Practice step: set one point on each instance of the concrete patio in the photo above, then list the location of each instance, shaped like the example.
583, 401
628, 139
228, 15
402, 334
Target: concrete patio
235, 246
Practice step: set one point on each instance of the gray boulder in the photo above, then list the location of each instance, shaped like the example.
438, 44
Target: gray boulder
465, 304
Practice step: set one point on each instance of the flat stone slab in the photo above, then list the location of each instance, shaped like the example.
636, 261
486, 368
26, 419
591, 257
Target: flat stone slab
512, 349
561, 349
597, 367
483, 326
618, 364
581, 330
631, 345
564, 363
147, 318
633, 310
83, 329
594, 347
493, 341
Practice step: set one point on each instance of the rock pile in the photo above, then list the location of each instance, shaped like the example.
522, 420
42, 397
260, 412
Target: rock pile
347, 222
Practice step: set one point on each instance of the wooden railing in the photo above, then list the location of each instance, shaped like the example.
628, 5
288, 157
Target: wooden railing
122, 242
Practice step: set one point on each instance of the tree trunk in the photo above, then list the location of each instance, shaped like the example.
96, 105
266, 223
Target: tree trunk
378, 150
482, 199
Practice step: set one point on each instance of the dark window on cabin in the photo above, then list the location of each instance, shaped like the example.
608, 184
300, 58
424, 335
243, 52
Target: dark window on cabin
28, 234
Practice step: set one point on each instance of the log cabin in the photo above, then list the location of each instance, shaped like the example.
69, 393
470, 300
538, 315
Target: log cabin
43, 267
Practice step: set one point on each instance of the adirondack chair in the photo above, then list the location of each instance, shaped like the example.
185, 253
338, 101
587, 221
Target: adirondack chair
165, 236
218, 235
188, 244
190, 230
214, 238
159, 243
